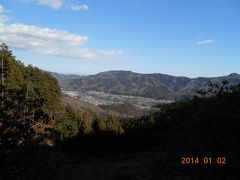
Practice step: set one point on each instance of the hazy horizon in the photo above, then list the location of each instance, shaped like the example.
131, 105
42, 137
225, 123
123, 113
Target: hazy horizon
180, 38
142, 73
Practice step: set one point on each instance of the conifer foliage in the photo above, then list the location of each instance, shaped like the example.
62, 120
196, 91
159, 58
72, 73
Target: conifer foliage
28, 95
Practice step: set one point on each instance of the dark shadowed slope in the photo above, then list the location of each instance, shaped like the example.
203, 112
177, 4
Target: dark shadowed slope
203, 128
82, 106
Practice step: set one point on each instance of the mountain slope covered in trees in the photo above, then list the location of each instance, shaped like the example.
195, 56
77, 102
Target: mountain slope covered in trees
33, 110
151, 147
94, 147
157, 86
28, 96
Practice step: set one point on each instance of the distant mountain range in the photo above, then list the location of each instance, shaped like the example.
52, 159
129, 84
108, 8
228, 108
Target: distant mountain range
64, 78
61, 77
157, 86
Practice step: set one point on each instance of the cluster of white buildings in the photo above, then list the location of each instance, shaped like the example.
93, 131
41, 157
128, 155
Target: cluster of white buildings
101, 98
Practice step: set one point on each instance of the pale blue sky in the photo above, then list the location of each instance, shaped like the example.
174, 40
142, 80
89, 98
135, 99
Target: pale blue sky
176, 37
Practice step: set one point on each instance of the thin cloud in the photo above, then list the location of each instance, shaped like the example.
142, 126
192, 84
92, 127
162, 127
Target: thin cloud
50, 41
25, 1
58, 4
3, 17
54, 4
1, 9
204, 42
79, 7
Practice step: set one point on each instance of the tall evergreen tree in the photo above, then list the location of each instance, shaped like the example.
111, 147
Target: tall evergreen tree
28, 95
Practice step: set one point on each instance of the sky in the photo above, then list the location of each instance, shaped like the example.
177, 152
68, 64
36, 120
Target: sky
175, 37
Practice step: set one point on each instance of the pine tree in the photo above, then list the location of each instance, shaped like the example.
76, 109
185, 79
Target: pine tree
28, 95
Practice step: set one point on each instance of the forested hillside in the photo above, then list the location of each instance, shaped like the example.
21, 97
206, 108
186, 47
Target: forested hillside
28, 96
33, 110
40, 138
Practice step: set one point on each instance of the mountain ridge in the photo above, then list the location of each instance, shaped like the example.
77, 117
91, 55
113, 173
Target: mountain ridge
156, 85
